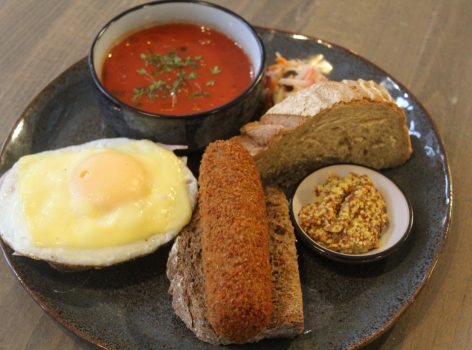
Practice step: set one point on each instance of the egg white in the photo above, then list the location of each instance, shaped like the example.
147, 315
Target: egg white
14, 231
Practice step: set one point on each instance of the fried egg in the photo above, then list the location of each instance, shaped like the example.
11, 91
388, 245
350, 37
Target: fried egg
95, 204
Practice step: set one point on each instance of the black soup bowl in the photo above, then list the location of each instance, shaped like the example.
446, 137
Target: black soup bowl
195, 130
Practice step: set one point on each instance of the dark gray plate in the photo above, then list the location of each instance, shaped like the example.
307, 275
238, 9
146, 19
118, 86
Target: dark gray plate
345, 306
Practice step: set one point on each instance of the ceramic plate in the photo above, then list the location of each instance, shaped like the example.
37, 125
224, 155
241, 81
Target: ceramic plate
345, 306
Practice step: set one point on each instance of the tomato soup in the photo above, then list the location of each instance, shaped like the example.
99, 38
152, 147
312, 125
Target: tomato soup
176, 68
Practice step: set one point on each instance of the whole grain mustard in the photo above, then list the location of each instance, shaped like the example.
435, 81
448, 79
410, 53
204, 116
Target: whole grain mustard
348, 215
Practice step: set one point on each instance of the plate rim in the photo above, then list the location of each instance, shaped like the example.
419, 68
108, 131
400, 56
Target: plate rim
366, 340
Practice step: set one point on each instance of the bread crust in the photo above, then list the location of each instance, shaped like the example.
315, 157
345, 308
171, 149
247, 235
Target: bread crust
235, 242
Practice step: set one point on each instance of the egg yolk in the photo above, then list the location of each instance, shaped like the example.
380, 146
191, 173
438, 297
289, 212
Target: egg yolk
108, 179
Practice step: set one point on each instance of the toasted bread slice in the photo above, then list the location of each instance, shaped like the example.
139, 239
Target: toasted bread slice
184, 270
329, 122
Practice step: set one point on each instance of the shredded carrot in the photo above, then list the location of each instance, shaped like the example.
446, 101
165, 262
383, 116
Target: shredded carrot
281, 60
290, 75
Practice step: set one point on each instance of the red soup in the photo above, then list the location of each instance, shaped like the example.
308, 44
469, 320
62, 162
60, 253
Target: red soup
176, 68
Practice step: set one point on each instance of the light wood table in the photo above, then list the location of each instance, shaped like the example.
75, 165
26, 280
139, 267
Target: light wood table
426, 44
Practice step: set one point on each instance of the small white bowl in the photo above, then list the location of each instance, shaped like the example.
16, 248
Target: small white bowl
399, 212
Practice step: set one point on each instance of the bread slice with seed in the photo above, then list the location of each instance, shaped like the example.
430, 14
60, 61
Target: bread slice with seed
329, 122
184, 270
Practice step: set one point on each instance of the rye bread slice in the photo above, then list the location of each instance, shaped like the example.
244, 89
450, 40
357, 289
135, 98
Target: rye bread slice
184, 270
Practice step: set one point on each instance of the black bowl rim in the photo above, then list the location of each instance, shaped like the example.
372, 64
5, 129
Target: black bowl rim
144, 114
342, 257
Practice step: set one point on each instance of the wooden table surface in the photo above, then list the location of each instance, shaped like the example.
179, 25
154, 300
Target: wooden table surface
425, 44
